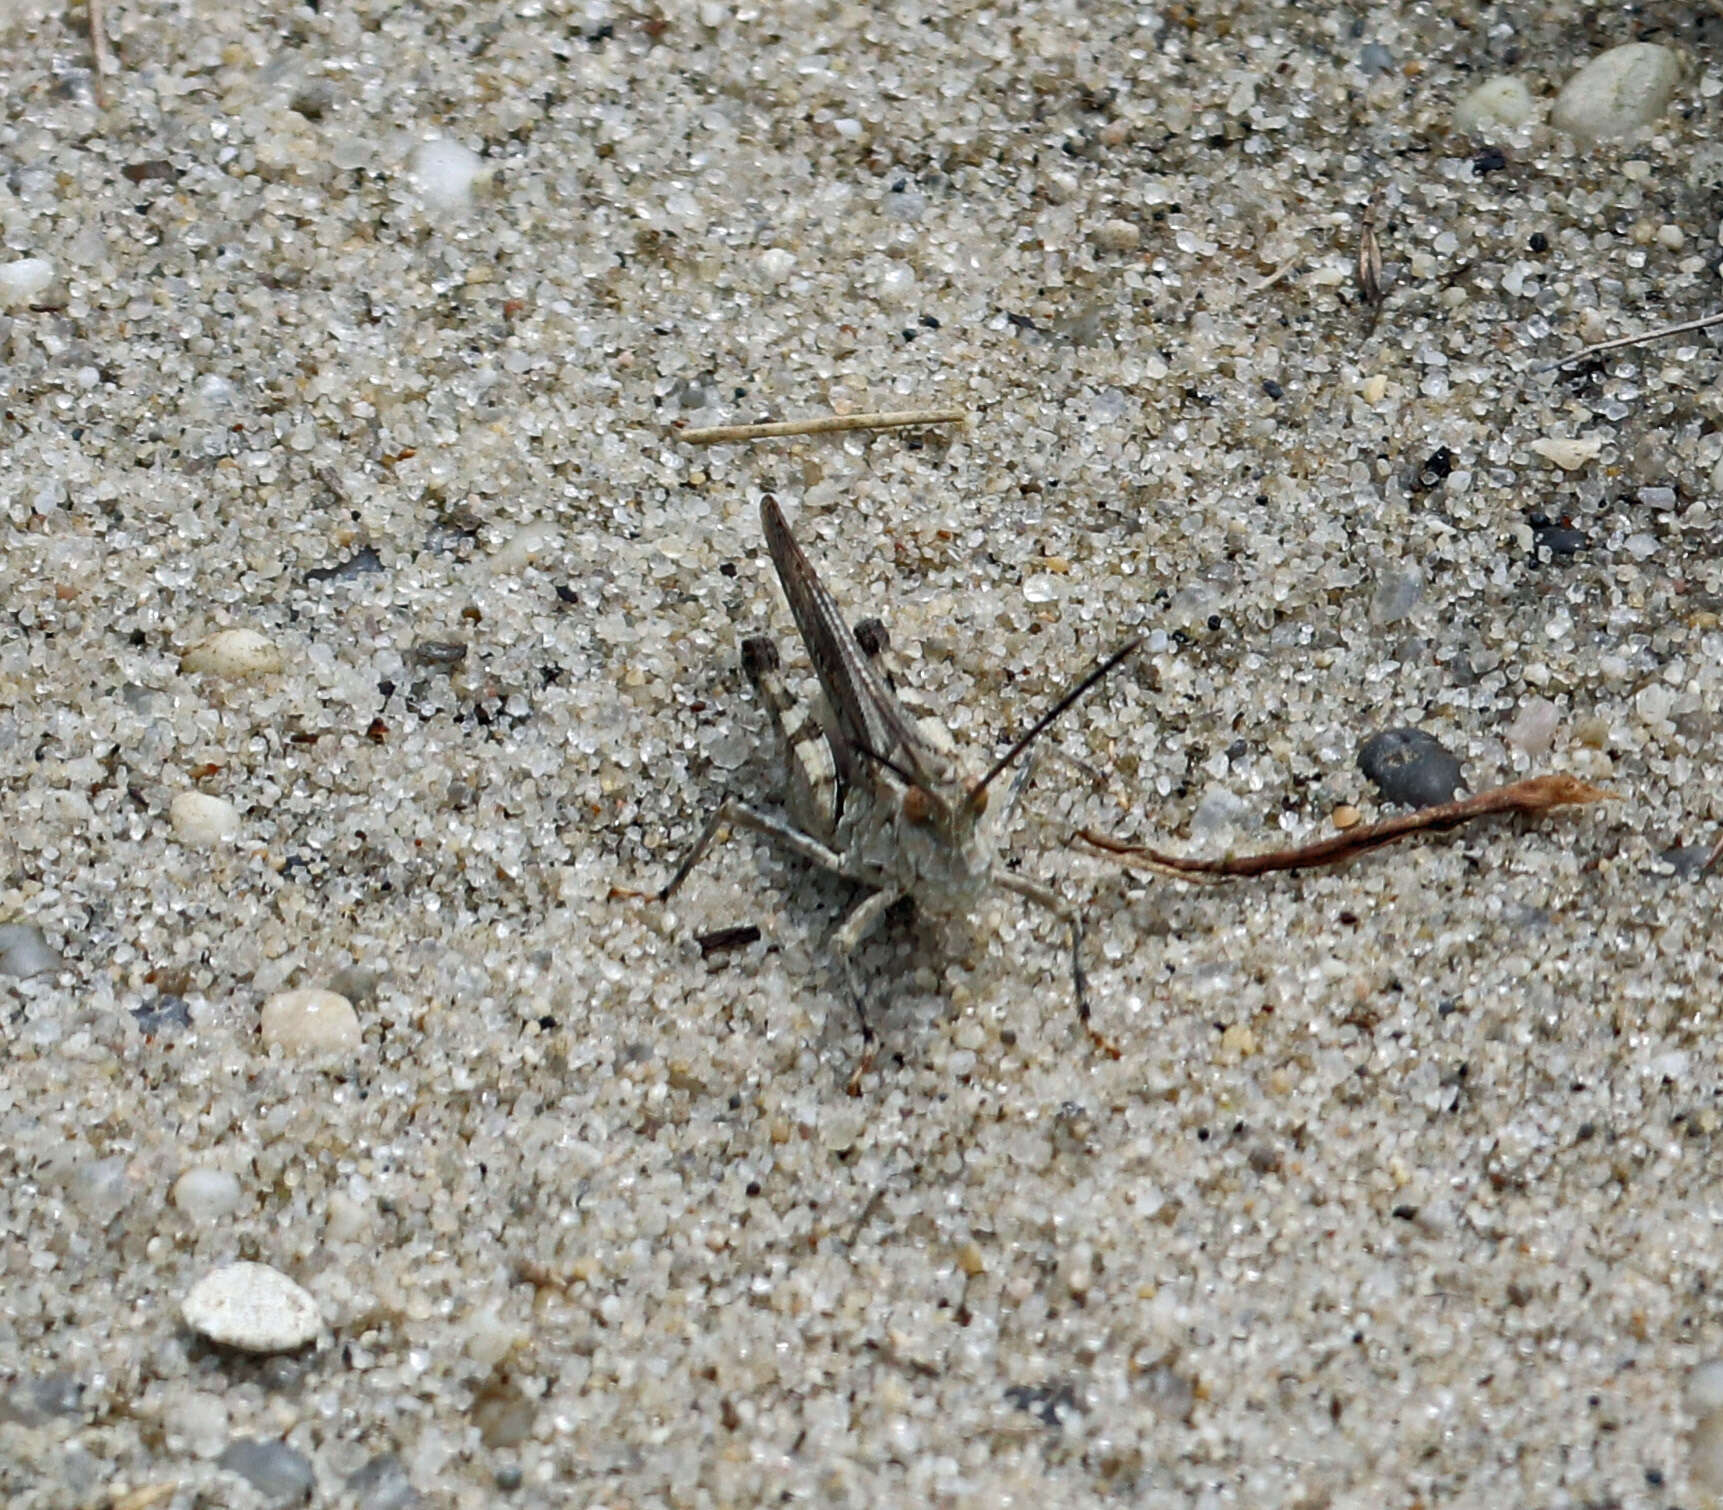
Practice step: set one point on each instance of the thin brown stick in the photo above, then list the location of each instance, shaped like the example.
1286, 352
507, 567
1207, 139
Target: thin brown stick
102, 55
1537, 794
886, 419
1704, 322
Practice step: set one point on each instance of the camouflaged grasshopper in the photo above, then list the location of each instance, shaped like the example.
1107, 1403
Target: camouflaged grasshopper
877, 792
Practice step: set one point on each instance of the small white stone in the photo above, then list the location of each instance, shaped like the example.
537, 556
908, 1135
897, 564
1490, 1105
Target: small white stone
1533, 730
251, 1307
206, 1195
527, 544
1617, 92
202, 820
310, 1021
1503, 101
776, 264
444, 173
21, 281
1117, 236
1570, 453
897, 284
346, 1219
200, 1420
490, 1339
233, 652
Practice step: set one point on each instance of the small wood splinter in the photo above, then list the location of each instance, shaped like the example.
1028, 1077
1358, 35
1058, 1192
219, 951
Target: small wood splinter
101, 53
1704, 322
1537, 794
885, 419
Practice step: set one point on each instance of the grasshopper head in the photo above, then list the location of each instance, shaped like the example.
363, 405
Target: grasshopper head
953, 818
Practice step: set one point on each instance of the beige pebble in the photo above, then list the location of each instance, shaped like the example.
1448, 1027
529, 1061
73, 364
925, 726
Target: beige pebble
1374, 388
1237, 1041
1345, 816
233, 652
1117, 236
1617, 92
310, 1021
1570, 453
1503, 101
201, 820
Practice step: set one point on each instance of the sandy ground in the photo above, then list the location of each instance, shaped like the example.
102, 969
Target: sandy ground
1400, 1191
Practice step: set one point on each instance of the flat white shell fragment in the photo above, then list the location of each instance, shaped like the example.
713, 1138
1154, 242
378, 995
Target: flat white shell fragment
252, 1307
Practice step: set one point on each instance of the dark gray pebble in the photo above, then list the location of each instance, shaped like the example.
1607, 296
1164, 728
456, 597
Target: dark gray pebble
439, 653
1559, 540
32, 1402
1687, 860
165, 1014
1409, 766
24, 951
382, 1484
360, 563
273, 1469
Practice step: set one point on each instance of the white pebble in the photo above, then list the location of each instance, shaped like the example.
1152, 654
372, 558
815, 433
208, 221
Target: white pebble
490, 1339
1117, 236
1503, 101
206, 1195
1570, 453
251, 1307
202, 820
233, 652
776, 263
444, 173
199, 1420
346, 1218
527, 544
1617, 92
21, 281
1533, 730
897, 283
310, 1021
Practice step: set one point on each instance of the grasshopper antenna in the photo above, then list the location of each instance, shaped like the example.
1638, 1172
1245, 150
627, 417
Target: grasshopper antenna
978, 793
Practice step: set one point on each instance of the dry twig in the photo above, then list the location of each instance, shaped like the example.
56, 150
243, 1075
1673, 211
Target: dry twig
1537, 794
888, 419
102, 55
1704, 322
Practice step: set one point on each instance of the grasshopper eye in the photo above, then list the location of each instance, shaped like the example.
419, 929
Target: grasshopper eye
918, 806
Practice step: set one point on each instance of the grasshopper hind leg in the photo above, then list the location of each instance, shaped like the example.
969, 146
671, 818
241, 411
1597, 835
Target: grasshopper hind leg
811, 790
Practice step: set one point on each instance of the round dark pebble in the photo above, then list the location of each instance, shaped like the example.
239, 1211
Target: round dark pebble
1559, 539
275, 1470
1409, 766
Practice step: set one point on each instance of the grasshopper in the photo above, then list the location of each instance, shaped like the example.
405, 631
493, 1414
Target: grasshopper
877, 791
